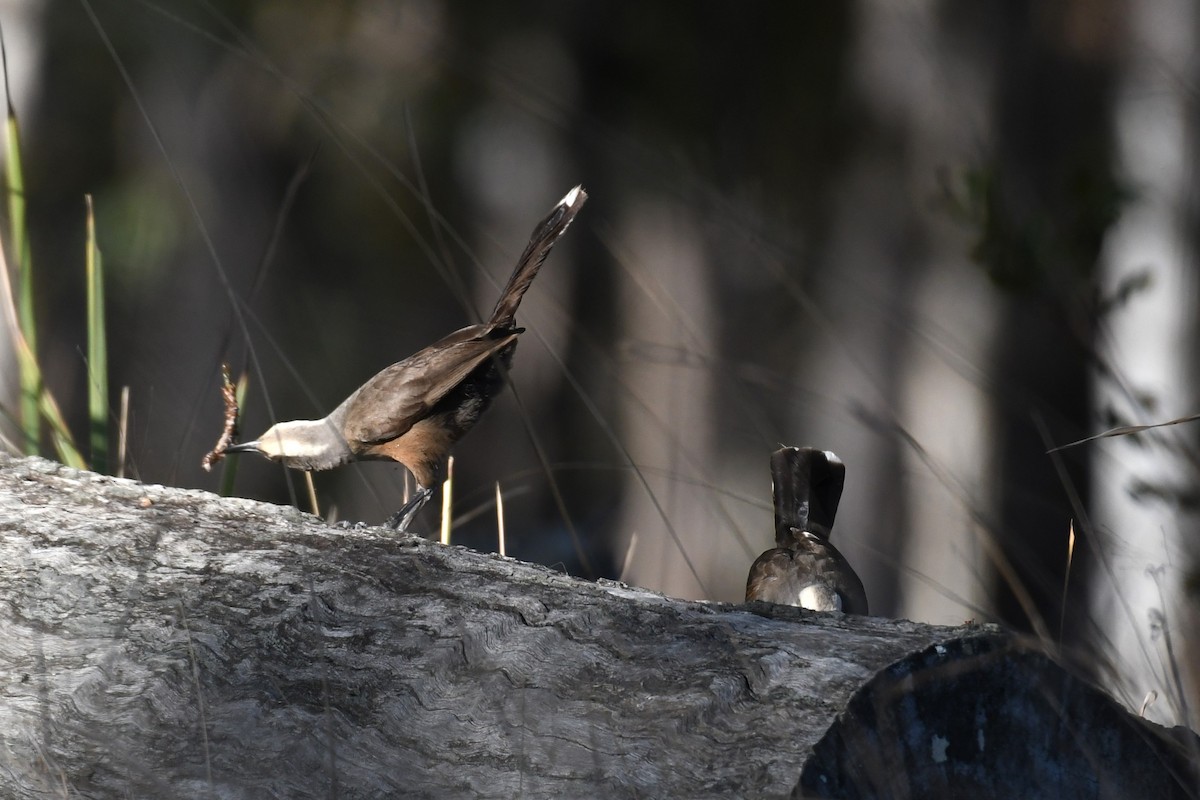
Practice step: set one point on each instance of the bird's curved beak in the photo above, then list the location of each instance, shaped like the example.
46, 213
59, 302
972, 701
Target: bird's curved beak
244, 447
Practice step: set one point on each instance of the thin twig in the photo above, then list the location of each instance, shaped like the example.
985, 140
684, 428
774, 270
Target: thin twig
229, 432
123, 431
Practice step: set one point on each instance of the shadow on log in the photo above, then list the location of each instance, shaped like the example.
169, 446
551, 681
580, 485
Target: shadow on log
159, 642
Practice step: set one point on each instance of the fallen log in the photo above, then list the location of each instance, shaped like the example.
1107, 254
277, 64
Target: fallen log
160, 642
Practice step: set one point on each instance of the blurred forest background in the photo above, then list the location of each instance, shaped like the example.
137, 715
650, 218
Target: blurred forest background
937, 238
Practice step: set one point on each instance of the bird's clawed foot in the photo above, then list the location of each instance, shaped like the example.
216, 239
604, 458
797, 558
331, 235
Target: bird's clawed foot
400, 521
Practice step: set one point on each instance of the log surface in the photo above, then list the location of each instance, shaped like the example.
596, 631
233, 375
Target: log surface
159, 642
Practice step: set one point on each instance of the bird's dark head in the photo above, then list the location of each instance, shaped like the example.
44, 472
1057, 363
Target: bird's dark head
300, 444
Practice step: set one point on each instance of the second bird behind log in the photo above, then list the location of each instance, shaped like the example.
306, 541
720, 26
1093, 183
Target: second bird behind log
805, 569
414, 411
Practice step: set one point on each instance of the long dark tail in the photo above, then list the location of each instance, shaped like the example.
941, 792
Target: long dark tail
540, 243
807, 487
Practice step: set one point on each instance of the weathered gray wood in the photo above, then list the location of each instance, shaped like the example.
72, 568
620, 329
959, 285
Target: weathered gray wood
159, 642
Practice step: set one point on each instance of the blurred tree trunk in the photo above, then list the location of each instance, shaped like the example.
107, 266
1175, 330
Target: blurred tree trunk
1048, 197
667, 406
1146, 516
901, 312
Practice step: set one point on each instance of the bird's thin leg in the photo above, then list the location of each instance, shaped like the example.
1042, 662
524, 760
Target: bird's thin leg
400, 521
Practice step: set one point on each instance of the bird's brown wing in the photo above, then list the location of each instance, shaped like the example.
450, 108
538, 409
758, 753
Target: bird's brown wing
400, 395
773, 578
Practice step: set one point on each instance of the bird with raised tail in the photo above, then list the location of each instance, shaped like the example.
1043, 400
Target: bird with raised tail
804, 568
414, 411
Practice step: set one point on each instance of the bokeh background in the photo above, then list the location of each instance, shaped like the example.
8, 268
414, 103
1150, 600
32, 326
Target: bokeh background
937, 238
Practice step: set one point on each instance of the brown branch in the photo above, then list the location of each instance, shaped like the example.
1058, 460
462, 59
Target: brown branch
230, 433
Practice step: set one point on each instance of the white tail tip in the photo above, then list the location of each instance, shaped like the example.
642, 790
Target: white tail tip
572, 196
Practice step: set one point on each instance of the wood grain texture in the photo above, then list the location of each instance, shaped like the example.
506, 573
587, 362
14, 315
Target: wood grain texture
160, 642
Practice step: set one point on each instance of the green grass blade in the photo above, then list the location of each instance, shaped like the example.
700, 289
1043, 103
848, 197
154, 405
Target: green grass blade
64, 443
36, 401
30, 375
44, 402
97, 345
